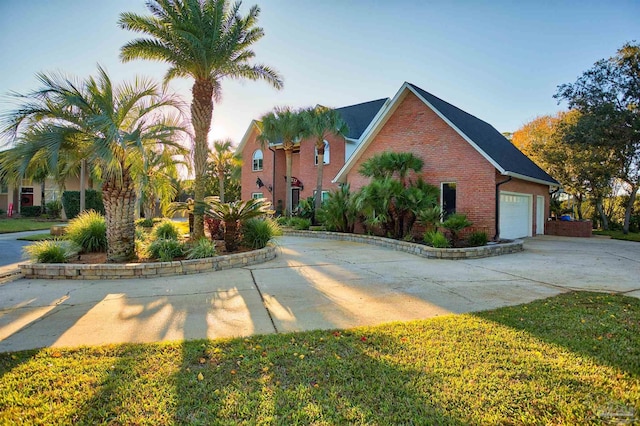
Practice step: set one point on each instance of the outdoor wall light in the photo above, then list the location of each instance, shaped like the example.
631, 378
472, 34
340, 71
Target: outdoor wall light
259, 183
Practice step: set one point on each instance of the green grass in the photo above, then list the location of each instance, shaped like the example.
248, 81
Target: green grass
39, 237
571, 359
619, 235
19, 225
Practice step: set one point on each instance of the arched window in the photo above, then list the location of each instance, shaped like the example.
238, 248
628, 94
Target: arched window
257, 161
327, 154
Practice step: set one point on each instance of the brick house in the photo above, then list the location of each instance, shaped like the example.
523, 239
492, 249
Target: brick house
479, 172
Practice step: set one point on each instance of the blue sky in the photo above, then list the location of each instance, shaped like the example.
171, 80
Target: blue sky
498, 60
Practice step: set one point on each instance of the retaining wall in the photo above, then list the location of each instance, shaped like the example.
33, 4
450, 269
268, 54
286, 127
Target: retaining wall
70, 271
417, 249
561, 228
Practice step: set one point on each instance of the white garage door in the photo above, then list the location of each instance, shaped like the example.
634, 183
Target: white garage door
515, 215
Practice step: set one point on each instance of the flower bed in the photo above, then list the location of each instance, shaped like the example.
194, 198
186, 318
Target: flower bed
72, 271
417, 249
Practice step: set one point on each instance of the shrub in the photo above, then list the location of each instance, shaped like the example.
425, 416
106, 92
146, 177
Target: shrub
282, 221
53, 208
436, 239
30, 211
256, 233
51, 251
166, 250
338, 213
166, 230
454, 224
145, 222
71, 202
214, 226
300, 223
201, 249
89, 231
477, 239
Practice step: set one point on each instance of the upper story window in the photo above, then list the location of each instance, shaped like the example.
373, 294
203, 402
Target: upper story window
327, 154
4, 188
257, 160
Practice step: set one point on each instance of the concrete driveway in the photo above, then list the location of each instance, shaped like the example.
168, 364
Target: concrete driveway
313, 284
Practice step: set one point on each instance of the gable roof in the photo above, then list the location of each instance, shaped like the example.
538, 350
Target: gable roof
359, 116
490, 143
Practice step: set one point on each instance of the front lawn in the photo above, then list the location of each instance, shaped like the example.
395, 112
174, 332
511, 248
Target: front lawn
619, 235
22, 224
571, 359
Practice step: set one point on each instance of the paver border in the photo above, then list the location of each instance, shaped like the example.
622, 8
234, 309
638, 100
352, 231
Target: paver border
73, 271
417, 249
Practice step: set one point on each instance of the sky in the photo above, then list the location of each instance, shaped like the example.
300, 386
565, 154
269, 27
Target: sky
498, 60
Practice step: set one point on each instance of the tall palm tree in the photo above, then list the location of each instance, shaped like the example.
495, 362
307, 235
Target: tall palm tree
223, 161
109, 125
319, 122
286, 126
206, 40
388, 164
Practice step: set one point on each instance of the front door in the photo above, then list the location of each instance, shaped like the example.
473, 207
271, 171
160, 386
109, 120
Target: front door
295, 198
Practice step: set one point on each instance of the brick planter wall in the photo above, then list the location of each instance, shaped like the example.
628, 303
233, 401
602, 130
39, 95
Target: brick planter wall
569, 229
416, 249
70, 271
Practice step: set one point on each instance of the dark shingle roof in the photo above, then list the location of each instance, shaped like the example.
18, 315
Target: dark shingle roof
488, 139
359, 116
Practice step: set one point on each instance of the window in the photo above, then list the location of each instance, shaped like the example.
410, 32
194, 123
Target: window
326, 154
448, 199
4, 188
257, 161
257, 195
325, 195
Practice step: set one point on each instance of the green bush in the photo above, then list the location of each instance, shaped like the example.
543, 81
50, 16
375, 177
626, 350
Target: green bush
51, 251
454, 224
338, 213
478, 239
256, 233
166, 230
436, 239
202, 248
71, 202
300, 223
53, 208
89, 231
30, 211
166, 250
145, 222
282, 221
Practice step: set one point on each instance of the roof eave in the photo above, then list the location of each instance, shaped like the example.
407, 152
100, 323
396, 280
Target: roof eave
246, 136
531, 179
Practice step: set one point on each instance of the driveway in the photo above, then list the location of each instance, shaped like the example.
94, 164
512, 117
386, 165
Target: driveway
313, 284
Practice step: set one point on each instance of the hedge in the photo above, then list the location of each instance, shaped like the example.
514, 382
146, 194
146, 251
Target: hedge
30, 211
71, 202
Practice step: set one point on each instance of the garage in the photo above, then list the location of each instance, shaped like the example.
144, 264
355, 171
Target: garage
515, 215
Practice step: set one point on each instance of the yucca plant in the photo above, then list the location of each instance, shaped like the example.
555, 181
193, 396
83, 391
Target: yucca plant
51, 251
256, 233
89, 231
232, 214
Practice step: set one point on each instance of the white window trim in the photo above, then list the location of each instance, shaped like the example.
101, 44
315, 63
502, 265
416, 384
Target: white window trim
327, 154
254, 159
257, 195
442, 184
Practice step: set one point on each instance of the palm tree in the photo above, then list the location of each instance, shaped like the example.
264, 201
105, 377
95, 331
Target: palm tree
286, 126
108, 125
318, 123
223, 161
388, 164
233, 214
206, 40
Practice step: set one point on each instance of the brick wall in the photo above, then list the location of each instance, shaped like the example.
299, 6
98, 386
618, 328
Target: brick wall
415, 128
569, 229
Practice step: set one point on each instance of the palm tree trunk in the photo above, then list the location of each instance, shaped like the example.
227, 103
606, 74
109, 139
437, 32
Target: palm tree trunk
221, 184
288, 202
201, 114
119, 198
318, 199
230, 237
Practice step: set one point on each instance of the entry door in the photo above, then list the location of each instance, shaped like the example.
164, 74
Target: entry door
295, 198
540, 216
